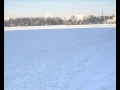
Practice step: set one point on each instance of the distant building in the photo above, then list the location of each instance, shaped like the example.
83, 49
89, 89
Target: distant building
111, 21
79, 17
6, 18
82, 17
14, 18
48, 15
66, 18
114, 17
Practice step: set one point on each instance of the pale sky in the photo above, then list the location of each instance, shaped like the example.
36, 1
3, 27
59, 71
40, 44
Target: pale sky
59, 8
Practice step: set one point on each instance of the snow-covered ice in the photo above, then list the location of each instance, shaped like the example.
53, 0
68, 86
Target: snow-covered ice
64, 59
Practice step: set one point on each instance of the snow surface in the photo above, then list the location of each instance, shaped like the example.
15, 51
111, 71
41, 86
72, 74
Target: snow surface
64, 59
60, 27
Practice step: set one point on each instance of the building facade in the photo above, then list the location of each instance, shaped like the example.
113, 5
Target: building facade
111, 21
48, 15
6, 18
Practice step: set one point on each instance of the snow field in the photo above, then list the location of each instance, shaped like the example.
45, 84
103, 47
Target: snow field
74, 59
60, 27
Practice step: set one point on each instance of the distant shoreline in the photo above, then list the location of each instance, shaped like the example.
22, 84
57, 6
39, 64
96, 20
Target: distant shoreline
59, 27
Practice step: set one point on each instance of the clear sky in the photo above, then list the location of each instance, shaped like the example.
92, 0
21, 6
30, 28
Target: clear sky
59, 8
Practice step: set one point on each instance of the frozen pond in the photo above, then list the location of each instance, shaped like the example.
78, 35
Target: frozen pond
64, 59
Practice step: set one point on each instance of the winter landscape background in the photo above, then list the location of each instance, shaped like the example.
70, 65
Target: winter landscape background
60, 58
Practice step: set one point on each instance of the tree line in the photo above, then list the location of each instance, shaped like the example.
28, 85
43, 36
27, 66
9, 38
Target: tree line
53, 21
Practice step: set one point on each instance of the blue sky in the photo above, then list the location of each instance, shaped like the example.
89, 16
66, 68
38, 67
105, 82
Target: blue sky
59, 8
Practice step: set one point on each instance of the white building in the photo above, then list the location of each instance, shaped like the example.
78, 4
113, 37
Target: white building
66, 18
14, 18
82, 17
6, 18
48, 15
113, 20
